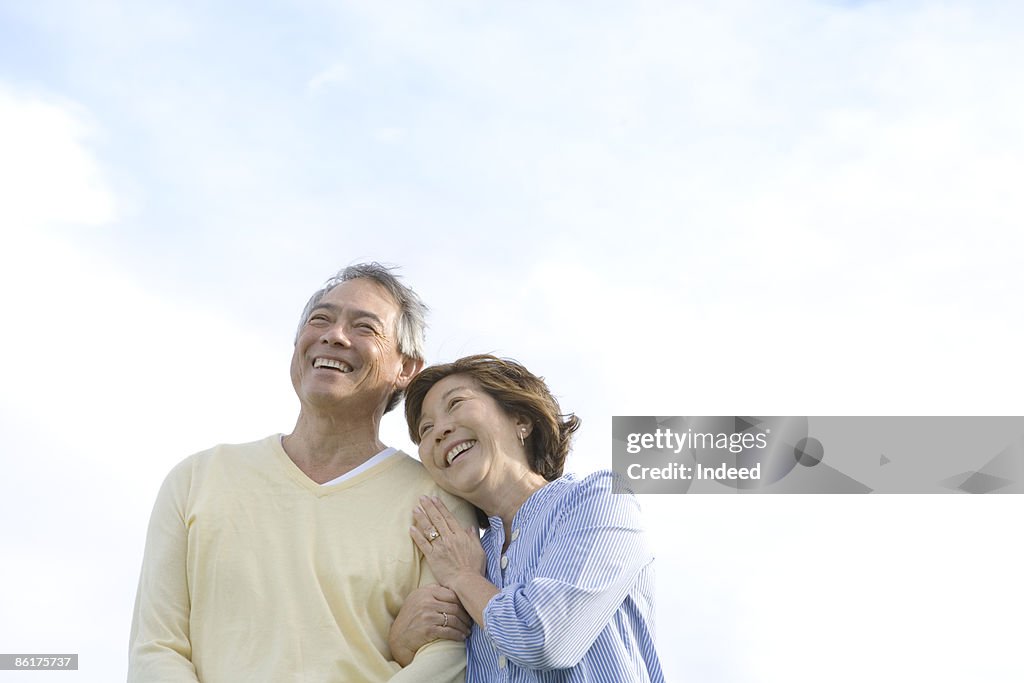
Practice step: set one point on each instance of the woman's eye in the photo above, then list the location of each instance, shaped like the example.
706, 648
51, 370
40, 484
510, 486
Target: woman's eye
454, 402
424, 429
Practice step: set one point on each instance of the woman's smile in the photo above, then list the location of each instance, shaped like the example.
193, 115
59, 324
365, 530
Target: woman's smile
457, 450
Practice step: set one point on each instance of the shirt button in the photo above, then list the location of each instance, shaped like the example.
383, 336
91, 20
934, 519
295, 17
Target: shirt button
515, 534
504, 561
502, 661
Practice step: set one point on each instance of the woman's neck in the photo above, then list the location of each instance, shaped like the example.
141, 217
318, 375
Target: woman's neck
505, 499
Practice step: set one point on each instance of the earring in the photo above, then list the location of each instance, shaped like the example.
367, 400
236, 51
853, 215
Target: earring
522, 436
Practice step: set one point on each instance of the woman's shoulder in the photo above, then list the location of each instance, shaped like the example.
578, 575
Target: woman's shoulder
603, 493
599, 483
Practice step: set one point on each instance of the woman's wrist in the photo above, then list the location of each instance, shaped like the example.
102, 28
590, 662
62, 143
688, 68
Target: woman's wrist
462, 581
474, 591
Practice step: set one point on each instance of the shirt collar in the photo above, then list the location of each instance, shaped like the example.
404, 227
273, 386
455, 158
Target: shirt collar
535, 502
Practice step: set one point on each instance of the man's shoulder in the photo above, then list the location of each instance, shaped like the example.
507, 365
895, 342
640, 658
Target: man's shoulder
228, 455
236, 450
412, 476
404, 467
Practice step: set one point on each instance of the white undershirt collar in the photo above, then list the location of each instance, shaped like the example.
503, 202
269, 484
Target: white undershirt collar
375, 460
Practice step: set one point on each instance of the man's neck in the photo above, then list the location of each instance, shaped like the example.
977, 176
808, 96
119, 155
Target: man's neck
326, 448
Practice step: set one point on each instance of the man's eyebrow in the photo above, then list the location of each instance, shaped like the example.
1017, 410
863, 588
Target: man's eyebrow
354, 312
330, 307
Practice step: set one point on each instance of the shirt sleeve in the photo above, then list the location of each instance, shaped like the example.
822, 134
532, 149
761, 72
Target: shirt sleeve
442, 660
584, 573
159, 646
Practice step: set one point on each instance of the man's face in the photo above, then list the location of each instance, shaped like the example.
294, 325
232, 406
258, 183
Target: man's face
347, 349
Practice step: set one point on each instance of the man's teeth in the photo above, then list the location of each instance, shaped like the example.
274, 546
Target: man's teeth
331, 363
453, 453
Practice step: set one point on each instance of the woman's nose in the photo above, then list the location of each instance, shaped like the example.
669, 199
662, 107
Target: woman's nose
444, 431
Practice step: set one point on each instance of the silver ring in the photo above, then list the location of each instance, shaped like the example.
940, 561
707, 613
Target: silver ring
445, 615
432, 535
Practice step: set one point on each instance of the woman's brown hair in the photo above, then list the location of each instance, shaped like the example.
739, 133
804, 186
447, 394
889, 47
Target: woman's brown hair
519, 392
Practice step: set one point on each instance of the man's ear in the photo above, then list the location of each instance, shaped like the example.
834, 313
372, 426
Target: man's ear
410, 368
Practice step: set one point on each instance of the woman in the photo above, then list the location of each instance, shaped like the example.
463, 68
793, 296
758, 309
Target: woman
560, 587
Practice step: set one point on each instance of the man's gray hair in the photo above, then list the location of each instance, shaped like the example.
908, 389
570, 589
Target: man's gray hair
412, 312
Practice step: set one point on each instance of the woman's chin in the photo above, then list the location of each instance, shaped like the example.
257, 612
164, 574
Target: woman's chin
462, 487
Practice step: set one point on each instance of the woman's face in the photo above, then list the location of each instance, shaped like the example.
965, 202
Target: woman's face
468, 443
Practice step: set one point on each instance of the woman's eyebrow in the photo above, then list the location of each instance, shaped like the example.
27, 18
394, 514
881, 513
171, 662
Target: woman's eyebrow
444, 397
451, 391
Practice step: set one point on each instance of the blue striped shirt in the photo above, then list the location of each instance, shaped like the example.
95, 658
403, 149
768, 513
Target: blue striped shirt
577, 590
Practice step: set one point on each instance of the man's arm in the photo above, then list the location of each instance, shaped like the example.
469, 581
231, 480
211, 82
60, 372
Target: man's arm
159, 649
440, 660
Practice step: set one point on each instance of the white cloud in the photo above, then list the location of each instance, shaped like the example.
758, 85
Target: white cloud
47, 175
332, 75
389, 134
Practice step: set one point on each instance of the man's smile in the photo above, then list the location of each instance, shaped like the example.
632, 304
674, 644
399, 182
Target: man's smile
333, 364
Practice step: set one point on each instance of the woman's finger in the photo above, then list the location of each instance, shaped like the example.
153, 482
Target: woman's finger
450, 606
458, 619
459, 623
435, 515
449, 518
452, 621
420, 520
443, 594
420, 540
426, 527
449, 633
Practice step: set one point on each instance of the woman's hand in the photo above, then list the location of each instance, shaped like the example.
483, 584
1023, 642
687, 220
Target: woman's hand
450, 550
428, 613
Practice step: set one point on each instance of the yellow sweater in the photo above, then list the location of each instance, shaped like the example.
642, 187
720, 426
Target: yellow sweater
253, 572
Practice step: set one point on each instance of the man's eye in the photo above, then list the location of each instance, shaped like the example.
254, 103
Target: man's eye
366, 328
317, 317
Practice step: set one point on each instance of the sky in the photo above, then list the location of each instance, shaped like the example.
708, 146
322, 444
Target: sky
665, 208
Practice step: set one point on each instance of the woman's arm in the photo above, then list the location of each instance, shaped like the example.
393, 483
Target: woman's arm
454, 555
589, 563
583, 575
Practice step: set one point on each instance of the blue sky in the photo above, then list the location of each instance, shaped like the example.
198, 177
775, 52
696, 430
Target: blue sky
664, 208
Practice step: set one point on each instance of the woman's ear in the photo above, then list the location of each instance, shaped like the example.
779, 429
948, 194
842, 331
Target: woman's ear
524, 426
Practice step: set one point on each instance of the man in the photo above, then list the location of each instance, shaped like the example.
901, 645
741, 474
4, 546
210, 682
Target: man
288, 559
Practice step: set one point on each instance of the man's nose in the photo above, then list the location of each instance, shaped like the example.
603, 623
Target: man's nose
335, 334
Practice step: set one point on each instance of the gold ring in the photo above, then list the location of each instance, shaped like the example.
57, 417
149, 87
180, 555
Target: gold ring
445, 615
432, 535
